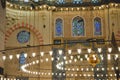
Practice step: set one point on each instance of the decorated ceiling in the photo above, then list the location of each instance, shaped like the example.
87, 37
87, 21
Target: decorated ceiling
62, 3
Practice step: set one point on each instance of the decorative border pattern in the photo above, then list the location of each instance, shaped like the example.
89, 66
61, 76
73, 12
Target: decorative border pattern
23, 25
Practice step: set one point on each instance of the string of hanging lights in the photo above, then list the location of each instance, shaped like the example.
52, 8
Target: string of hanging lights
79, 51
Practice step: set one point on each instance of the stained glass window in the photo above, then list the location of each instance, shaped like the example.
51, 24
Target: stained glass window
22, 58
78, 26
77, 1
23, 36
59, 27
97, 26
60, 1
95, 1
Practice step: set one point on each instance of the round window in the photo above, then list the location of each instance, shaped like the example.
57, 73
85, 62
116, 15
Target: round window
23, 36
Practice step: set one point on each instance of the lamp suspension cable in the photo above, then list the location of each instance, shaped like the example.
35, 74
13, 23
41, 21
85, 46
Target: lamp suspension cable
55, 44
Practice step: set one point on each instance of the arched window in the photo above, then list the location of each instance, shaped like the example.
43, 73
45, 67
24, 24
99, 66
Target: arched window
97, 26
59, 27
77, 1
95, 1
22, 58
78, 26
60, 1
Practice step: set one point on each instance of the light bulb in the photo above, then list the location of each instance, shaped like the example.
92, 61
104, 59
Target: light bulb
5, 79
81, 59
79, 51
46, 59
60, 52
64, 57
33, 54
52, 58
17, 55
75, 60
109, 50
25, 55
51, 53
70, 61
11, 56
116, 56
119, 49
42, 53
4, 57
99, 50
71, 57
86, 56
37, 61
66, 62
69, 51
89, 50
77, 69
78, 56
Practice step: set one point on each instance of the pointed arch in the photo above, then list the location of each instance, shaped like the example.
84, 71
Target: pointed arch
59, 27
97, 26
78, 26
23, 25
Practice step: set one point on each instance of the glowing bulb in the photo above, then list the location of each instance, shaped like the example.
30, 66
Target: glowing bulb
33, 54
70, 61
79, 51
77, 69
86, 56
17, 55
119, 49
4, 57
71, 57
89, 50
103, 69
5, 79
33, 62
99, 50
66, 62
64, 57
60, 52
46, 59
1, 78
78, 57
116, 56
51, 53
25, 55
69, 51
42, 53
75, 60
109, 50
11, 56
52, 58
81, 59
37, 61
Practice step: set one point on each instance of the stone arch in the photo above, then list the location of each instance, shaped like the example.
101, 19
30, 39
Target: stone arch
23, 25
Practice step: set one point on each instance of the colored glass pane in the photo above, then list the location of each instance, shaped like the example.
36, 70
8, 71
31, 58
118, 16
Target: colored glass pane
59, 27
77, 1
22, 58
95, 1
60, 1
97, 26
23, 36
78, 26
